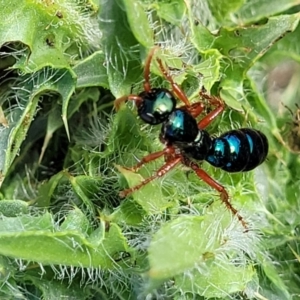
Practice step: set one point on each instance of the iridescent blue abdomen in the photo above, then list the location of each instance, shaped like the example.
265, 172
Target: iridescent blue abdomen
238, 150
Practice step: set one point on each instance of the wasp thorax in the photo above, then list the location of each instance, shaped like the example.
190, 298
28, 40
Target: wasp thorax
180, 127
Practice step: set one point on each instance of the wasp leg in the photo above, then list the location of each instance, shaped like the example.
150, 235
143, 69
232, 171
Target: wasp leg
194, 109
175, 87
147, 86
137, 99
159, 173
214, 184
220, 106
168, 151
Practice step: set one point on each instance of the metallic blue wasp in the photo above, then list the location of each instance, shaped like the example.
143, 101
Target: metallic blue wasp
186, 140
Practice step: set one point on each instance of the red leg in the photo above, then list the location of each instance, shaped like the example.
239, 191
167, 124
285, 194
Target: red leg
119, 101
161, 172
175, 87
223, 193
137, 99
147, 86
213, 114
153, 156
194, 109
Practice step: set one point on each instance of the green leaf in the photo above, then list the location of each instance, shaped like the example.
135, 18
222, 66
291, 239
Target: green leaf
209, 69
56, 290
75, 220
273, 275
120, 46
12, 208
47, 189
287, 47
28, 96
138, 21
48, 30
9, 287
35, 239
240, 49
13, 136
188, 240
129, 212
92, 71
244, 46
150, 197
171, 251
85, 187
222, 9
54, 120
221, 278
171, 11
256, 10
201, 37
122, 136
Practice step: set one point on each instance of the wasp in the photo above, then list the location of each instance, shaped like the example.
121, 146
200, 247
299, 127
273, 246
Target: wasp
185, 138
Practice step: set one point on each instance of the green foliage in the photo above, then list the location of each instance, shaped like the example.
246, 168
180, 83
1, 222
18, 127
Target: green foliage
65, 153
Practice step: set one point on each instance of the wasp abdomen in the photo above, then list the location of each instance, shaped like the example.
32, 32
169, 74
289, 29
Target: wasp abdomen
238, 150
